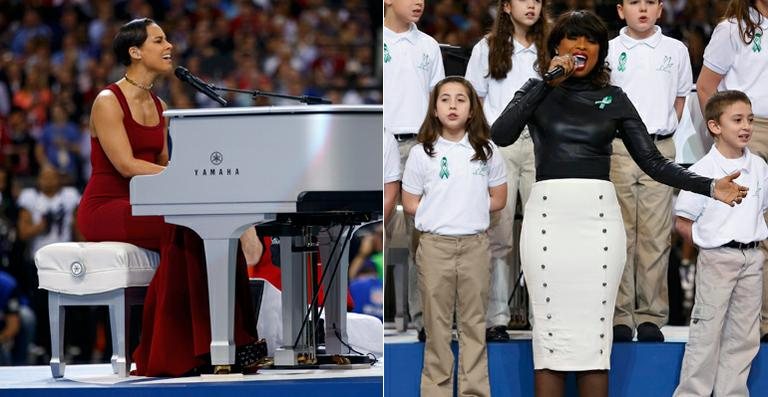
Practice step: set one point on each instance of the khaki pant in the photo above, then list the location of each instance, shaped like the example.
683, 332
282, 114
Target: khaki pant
521, 171
759, 146
402, 235
646, 207
724, 333
454, 274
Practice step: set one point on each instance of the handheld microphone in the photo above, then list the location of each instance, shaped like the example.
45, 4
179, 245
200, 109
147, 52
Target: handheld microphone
558, 71
578, 60
184, 75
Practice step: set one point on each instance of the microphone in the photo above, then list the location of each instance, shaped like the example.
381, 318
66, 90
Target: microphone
184, 75
558, 71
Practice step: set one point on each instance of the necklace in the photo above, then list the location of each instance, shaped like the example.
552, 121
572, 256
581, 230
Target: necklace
142, 86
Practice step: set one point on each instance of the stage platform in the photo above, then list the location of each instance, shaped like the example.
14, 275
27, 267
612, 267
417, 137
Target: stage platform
97, 381
637, 369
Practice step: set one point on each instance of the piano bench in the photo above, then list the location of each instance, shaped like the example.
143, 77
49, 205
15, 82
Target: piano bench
109, 274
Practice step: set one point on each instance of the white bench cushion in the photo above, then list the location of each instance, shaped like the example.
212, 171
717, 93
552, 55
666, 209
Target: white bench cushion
89, 268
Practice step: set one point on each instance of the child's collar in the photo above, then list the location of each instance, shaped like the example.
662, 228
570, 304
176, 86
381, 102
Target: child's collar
651, 41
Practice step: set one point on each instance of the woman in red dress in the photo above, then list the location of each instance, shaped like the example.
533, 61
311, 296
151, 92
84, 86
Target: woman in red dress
128, 138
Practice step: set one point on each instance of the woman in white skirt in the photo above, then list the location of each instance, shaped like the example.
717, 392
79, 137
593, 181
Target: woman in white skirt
573, 238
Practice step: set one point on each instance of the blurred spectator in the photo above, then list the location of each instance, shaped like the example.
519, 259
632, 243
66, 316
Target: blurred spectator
10, 321
17, 323
47, 212
31, 27
59, 144
369, 258
19, 152
366, 274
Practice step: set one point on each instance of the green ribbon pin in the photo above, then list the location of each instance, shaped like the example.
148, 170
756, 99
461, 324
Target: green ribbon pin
387, 57
756, 45
444, 168
605, 101
622, 62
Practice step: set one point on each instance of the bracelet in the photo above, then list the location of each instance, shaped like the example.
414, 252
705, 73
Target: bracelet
712, 188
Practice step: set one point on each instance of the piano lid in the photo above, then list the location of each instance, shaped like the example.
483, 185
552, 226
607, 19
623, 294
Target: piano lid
263, 158
305, 109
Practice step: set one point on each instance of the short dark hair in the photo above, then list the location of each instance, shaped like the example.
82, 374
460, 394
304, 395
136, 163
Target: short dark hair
717, 103
588, 24
132, 34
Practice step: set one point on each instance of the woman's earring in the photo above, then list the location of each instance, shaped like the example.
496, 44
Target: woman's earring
557, 52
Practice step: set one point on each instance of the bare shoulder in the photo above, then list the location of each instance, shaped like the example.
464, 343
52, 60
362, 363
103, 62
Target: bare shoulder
162, 102
106, 102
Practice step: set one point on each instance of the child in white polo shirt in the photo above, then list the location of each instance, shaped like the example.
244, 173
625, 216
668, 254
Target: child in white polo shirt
655, 72
736, 59
500, 64
453, 179
725, 332
412, 66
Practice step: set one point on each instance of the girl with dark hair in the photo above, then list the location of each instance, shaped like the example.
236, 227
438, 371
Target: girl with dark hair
500, 64
129, 138
453, 178
573, 245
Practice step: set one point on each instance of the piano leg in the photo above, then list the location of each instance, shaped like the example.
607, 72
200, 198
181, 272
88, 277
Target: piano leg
220, 234
336, 297
220, 257
293, 275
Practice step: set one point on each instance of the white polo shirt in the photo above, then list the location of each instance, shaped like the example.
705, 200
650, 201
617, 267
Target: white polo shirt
743, 66
412, 66
653, 72
391, 159
498, 93
716, 223
453, 188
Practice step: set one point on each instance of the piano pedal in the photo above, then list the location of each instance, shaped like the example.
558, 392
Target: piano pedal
222, 369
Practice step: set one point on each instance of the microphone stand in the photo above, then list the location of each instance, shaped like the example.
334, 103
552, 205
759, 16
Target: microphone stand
308, 99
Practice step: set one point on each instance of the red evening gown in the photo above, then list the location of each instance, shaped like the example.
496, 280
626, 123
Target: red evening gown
176, 334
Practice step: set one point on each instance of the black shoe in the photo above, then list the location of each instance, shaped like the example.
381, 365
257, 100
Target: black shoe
496, 334
649, 332
422, 335
622, 333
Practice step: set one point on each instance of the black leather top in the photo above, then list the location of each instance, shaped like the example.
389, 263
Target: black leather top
573, 126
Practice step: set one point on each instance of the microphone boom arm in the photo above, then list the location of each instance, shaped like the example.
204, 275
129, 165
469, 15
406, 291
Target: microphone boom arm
308, 99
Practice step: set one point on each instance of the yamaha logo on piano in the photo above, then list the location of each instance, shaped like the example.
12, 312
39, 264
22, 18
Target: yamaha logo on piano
216, 158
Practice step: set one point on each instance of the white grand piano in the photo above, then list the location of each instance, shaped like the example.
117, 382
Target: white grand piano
232, 168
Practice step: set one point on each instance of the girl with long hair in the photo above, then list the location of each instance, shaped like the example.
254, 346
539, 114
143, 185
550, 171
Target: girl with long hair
453, 179
500, 64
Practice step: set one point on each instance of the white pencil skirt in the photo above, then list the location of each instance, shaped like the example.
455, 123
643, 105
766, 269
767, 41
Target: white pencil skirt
573, 249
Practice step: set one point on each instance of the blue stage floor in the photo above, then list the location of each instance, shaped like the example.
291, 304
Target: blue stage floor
637, 369
97, 380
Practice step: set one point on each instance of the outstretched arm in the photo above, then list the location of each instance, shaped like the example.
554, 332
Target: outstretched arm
507, 128
642, 149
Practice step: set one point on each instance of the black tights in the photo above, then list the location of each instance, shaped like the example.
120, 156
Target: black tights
548, 383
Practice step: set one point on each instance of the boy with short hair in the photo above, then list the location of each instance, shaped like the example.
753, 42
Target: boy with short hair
655, 72
725, 328
412, 66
